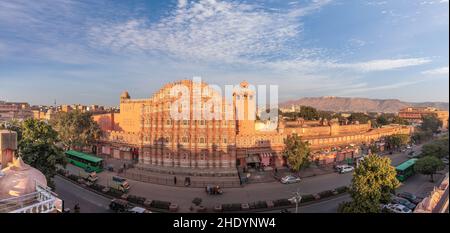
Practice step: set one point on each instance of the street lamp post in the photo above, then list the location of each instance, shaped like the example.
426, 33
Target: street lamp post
297, 198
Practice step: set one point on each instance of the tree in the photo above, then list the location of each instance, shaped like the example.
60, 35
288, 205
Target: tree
399, 120
430, 123
372, 184
76, 129
420, 136
308, 113
397, 140
296, 152
428, 165
359, 117
38, 148
13, 125
438, 148
382, 120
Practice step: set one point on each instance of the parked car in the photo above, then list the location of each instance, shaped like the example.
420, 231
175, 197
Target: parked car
445, 161
138, 210
403, 201
413, 155
346, 168
397, 208
339, 167
290, 179
119, 205
410, 197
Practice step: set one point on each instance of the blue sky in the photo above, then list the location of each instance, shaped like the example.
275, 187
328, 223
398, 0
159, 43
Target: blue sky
90, 51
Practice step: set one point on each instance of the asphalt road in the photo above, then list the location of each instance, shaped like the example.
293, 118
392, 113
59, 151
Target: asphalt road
72, 194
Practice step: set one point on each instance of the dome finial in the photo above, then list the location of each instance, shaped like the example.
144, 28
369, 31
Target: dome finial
125, 95
244, 84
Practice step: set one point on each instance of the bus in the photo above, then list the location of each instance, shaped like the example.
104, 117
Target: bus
88, 162
405, 170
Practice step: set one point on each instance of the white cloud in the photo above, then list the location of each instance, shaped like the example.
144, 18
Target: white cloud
384, 64
437, 71
309, 65
209, 30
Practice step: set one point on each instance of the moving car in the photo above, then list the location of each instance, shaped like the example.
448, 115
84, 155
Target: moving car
290, 179
397, 208
410, 197
403, 201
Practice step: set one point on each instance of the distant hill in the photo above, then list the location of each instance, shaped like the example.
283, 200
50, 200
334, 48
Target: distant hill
345, 104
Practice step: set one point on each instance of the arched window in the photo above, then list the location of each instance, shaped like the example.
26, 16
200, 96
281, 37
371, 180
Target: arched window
202, 140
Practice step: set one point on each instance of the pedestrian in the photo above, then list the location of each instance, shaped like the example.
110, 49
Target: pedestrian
76, 208
175, 180
276, 170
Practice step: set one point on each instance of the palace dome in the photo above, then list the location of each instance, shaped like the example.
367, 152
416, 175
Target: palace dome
18, 179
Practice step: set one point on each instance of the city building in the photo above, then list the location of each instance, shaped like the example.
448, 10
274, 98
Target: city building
415, 114
14, 111
144, 131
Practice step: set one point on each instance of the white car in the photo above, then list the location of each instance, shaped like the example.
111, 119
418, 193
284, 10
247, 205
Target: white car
290, 179
398, 208
346, 168
139, 210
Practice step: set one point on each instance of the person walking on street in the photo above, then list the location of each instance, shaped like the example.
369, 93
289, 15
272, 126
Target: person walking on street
175, 180
76, 209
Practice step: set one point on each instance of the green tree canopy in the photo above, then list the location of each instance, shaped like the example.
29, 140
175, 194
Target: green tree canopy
397, 140
359, 117
399, 120
372, 184
76, 129
428, 165
430, 123
382, 120
309, 113
13, 125
38, 148
420, 136
438, 148
296, 152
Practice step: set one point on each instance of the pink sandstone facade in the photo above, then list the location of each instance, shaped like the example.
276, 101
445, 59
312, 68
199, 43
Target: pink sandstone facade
144, 131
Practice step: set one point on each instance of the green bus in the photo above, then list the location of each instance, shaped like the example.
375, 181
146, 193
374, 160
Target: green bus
88, 162
405, 170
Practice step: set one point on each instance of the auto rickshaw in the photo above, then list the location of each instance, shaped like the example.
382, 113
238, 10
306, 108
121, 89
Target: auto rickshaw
213, 190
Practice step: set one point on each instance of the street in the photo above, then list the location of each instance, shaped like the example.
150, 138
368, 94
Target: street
91, 202
72, 194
